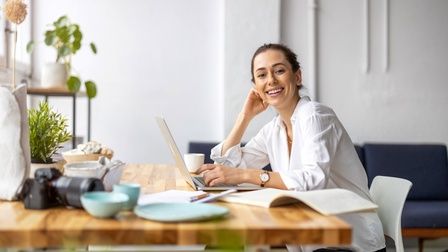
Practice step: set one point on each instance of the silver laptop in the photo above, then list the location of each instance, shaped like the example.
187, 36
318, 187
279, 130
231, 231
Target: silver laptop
195, 181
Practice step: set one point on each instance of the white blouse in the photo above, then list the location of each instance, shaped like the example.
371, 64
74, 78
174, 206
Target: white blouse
322, 156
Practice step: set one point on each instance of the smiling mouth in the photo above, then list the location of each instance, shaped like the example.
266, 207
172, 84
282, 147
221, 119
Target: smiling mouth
274, 91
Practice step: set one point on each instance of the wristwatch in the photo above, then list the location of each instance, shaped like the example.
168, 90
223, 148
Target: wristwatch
264, 177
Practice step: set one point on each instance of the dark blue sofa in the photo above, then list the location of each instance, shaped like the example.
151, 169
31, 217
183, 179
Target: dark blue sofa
425, 213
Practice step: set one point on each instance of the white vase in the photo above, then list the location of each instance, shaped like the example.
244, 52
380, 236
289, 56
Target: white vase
54, 75
58, 164
14, 141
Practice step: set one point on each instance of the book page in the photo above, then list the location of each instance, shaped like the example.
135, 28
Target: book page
334, 201
327, 202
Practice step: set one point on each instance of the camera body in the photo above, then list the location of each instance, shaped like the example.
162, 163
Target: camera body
50, 188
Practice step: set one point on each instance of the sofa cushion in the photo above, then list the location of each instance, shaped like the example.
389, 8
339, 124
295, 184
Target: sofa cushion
360, 152
425, 214
425, 165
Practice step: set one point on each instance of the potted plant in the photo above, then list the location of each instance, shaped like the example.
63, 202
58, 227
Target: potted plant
48, 130
66, 38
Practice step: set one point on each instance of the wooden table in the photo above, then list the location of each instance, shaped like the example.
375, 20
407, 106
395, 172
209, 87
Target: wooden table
245, 225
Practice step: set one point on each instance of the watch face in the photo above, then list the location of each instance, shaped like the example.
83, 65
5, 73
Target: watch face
264, 177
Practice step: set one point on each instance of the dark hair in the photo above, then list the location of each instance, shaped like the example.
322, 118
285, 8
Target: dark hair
291, 57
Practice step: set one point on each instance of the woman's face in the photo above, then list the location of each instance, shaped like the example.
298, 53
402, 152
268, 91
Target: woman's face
275, 80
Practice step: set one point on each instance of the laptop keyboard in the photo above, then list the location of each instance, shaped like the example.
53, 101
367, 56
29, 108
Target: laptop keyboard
200, 181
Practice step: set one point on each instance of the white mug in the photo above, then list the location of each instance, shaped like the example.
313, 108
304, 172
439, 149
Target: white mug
193, 161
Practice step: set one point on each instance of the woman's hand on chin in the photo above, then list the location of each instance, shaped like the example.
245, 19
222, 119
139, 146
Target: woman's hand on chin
254, 105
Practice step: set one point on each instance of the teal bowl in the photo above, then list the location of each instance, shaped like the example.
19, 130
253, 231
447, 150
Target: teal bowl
103, 204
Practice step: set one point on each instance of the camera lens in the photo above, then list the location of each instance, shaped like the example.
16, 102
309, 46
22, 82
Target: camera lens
70, 189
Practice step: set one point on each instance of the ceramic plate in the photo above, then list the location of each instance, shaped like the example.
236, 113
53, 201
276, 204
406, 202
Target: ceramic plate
178, 212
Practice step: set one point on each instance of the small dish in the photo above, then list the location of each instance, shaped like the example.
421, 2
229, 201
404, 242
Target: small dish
103, 204
74, 156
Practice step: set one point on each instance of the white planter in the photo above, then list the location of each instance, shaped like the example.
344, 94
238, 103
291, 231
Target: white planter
54, 75
58, 164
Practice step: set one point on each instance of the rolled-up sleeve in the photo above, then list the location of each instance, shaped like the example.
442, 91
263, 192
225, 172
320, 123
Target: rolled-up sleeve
252, 155
232, 157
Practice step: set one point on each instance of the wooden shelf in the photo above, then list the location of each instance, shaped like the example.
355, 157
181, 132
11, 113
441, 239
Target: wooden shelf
53, 91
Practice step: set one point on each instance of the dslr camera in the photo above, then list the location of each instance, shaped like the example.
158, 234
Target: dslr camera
49, 188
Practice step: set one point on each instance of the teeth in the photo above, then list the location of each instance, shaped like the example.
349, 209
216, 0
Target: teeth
274, 91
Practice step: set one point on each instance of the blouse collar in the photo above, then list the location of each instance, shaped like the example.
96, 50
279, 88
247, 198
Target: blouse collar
303, 100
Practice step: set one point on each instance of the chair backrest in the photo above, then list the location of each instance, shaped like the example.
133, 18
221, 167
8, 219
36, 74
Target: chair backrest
389, 194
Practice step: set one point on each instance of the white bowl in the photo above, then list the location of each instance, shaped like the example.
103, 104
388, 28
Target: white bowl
113, 176
96, 170
84, 169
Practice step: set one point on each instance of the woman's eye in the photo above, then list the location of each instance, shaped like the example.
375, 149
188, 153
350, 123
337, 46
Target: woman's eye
280, 71
261, 75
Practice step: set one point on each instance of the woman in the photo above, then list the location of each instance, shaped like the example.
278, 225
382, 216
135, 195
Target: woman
306, 145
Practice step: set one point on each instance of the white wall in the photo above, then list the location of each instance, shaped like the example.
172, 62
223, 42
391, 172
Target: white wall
190, 61
154, 57
404, 103
245, 31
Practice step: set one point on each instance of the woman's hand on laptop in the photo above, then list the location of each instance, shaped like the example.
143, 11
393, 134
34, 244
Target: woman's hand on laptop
214, 174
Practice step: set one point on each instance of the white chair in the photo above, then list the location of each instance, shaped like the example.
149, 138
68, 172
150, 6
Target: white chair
389, 194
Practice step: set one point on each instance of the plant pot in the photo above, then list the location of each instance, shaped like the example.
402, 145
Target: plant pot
59, 164
54, 75
14, 131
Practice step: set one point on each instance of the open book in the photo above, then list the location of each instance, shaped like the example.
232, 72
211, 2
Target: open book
326, 202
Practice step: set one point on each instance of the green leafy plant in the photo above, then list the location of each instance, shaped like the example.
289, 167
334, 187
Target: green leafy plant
48, 130
66, 38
